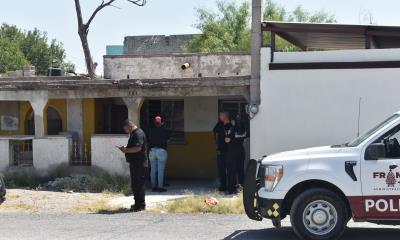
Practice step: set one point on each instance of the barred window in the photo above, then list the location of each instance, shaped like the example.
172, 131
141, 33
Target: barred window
172, 112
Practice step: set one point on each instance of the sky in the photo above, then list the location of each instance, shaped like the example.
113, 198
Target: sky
164, 17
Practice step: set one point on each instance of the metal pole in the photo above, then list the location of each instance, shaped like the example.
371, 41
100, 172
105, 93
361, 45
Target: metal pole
256, 44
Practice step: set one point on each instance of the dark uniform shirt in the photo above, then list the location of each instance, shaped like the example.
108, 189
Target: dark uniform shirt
137, 139
158, 137
221, 131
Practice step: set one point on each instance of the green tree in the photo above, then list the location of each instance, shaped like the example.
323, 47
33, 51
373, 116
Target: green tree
35, 47
11, 57
228, 30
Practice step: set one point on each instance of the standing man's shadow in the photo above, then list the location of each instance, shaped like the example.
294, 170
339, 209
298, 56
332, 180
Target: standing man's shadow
287, 233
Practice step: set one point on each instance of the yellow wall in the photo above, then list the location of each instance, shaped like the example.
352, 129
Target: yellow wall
196, 159
89, 123
25, 110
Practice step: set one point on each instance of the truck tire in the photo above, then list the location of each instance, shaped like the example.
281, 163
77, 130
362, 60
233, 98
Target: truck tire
2, 190
318, 214
250, 189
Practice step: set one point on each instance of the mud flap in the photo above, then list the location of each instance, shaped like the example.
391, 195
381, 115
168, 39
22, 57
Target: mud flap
250, 191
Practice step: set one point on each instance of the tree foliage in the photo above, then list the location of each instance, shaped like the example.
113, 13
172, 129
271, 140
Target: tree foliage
31, 47
228, 29
11, 57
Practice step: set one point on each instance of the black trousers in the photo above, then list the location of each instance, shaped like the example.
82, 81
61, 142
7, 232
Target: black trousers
139, 175
221, 164
231, 164
240, 158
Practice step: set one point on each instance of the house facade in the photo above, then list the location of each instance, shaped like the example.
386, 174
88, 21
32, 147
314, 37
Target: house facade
58, 122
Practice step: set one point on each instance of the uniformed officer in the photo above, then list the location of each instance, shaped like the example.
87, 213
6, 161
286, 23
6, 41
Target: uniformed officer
220, 130
231, 159
136, 155
235, 154
241, 134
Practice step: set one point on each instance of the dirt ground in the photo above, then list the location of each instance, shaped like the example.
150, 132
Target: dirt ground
18, 200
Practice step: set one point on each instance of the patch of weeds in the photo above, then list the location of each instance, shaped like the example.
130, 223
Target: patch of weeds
22, 207
76, 183
196, 204
24, 180
100, 206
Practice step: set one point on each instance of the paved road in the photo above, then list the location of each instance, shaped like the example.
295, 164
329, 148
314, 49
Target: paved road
146, 226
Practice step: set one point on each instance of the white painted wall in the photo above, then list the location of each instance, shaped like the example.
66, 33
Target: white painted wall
305, 108
200, 114
4, 155
50, 153
337, 56
106, 156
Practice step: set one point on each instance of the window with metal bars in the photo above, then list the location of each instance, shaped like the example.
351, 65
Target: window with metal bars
172, 113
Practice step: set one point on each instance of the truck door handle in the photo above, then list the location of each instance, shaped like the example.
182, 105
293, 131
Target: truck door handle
349, 167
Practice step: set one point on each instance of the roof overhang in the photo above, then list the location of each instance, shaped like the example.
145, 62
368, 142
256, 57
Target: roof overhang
335, 36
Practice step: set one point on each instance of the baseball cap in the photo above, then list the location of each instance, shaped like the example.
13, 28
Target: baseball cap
158, 120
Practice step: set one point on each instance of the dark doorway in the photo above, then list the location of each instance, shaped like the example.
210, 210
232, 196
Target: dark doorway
54, 122
111, 114
117, 114
29, 123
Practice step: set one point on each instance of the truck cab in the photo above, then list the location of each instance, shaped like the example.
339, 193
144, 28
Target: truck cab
322, 188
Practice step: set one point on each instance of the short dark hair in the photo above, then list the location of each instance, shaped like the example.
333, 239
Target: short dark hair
128, 123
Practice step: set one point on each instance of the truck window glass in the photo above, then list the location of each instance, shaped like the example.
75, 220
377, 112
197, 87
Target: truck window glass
375, 129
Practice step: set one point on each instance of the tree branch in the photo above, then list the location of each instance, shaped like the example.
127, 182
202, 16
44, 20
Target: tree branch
138, 2
98, 9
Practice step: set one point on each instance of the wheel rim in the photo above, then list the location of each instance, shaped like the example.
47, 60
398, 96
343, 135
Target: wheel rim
320, 217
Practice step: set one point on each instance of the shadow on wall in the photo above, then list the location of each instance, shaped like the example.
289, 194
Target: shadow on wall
288, 234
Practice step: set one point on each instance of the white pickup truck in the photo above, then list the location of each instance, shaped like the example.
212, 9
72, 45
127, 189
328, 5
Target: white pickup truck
322, 188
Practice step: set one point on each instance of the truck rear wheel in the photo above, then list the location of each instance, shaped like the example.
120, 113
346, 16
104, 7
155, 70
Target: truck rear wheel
318, 214
2, 190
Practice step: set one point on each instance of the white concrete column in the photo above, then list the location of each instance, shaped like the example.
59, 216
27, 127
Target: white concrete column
38, 106
75, 118
133, 104
256, 44
5, 154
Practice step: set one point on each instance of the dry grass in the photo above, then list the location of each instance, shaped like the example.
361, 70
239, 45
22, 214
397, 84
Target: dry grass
196, 204
101, 206
22, 207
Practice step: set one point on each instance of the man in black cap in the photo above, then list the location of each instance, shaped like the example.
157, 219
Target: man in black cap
136, 155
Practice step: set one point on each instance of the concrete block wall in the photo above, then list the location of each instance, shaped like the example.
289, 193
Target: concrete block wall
170, 66
156, 44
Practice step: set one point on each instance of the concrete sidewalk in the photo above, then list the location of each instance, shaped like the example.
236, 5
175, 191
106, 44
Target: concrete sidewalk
177, 189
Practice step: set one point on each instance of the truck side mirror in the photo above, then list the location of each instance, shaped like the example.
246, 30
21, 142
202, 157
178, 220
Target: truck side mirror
375, 151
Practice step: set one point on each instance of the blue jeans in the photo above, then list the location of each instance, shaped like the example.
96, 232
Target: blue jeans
158, 160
